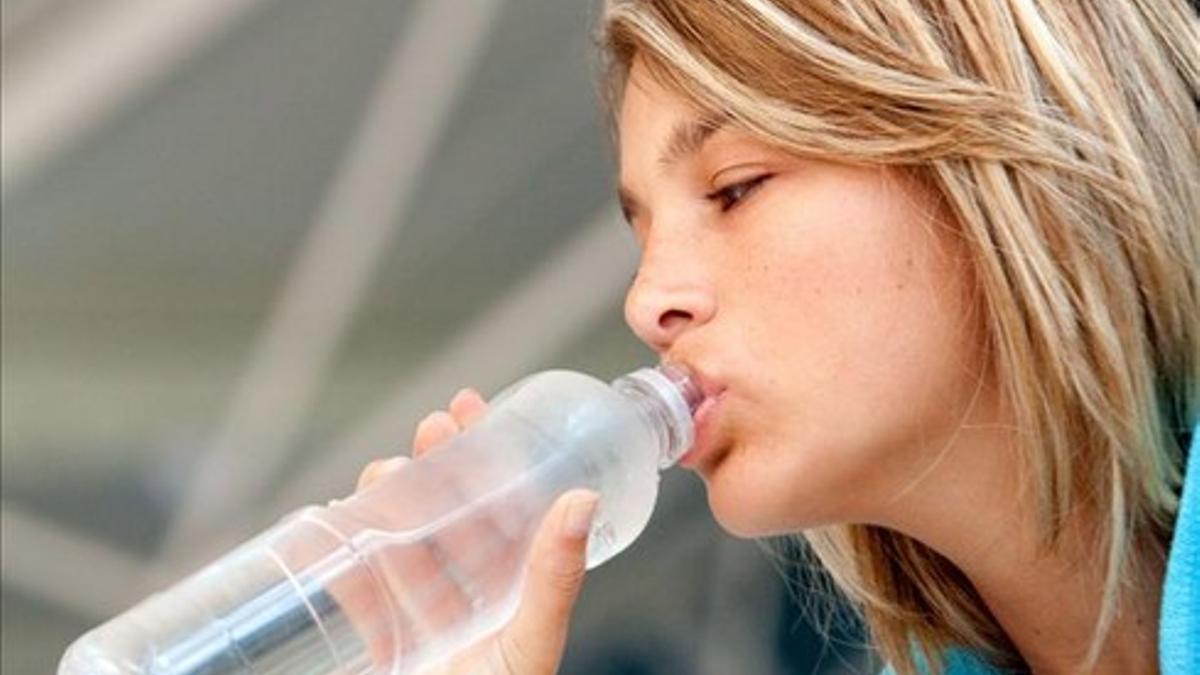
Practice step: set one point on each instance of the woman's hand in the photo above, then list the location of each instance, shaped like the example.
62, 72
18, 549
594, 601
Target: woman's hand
532, 643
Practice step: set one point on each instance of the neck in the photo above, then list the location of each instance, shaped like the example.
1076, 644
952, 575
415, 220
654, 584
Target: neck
1047, 601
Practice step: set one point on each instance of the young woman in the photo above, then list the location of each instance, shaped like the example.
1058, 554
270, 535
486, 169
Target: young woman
937, 262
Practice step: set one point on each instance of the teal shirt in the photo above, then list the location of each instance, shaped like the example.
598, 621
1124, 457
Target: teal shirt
1179, 622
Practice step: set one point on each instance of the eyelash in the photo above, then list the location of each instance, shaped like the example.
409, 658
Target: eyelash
731, 195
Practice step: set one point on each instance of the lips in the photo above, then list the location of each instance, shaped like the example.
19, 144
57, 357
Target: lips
704, 417
710, 388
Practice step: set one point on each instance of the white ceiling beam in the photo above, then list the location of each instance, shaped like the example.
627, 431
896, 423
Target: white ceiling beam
102, 57
359, 216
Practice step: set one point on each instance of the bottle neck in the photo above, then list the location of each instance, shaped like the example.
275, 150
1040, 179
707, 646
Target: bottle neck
666, 397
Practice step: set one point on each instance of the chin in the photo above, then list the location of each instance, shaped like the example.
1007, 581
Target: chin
746, 519
738, 508
753, 516
749, 500
735, 524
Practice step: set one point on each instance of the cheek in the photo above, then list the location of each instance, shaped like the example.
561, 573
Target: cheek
868, 303
857, 316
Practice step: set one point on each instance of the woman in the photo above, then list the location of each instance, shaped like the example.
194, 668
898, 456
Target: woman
941, 260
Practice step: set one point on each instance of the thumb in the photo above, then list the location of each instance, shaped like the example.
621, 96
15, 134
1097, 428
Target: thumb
533, 642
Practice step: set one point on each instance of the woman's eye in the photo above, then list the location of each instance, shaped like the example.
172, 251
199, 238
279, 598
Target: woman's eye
729, 196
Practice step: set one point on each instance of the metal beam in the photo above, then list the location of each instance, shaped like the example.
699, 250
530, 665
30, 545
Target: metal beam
90, 67
359, 216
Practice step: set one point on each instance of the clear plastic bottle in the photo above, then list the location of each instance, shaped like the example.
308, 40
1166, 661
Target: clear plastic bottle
428, 559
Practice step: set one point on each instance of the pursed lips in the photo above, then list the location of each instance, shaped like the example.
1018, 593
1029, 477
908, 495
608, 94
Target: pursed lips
713, 392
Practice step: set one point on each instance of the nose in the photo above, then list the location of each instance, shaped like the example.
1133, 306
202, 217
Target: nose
667, 299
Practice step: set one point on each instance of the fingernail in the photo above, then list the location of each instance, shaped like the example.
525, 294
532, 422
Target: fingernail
578, 521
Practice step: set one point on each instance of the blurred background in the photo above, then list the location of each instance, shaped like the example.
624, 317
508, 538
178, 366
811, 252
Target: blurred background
248, 244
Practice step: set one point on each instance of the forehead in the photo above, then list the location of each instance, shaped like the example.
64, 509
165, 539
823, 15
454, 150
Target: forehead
649, 111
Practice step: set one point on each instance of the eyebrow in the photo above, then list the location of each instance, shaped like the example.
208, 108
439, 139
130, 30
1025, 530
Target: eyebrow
687, 138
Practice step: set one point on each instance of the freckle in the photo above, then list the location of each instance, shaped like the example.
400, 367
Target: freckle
908, 262
899, 287
858, 290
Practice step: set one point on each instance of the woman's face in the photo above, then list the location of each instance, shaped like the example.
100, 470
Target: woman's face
830, 303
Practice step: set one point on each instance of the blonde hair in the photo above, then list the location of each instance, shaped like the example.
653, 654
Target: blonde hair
1063, 137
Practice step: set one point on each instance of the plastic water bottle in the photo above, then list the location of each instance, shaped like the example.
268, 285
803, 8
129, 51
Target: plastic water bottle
427, 560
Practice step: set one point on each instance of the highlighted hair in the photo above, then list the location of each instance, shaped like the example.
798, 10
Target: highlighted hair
1065, 139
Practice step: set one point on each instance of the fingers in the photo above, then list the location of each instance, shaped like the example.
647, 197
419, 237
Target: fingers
437, 427
467, 407
534, 641
378, 468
